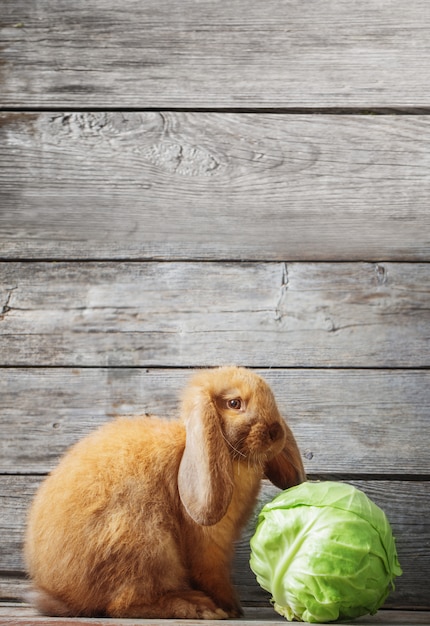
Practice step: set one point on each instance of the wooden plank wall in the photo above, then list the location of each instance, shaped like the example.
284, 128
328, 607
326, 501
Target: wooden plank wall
199, 183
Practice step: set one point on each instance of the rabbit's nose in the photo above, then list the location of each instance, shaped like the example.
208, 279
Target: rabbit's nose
276, 431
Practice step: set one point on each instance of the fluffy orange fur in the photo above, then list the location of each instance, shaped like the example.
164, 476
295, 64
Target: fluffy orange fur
139, 518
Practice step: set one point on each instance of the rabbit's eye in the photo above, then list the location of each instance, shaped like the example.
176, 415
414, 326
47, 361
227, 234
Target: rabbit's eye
235, 404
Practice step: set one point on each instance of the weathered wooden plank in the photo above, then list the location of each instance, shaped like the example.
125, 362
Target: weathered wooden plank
195, 54
406, 505
20, 614
191, 314
346, 422
214, 186
12, 614
16, 493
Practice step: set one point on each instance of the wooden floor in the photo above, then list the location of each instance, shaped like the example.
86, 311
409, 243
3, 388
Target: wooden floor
24, 616
195, 183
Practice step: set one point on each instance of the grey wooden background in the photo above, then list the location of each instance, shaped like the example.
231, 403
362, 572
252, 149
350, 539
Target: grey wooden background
194, 183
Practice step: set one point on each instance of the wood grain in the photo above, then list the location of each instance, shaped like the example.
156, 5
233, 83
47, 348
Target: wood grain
405, 504
214, 186
195, 54
191, 314
346, 422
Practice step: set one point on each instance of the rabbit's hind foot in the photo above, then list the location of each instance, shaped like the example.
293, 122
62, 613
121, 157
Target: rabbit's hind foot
172, 605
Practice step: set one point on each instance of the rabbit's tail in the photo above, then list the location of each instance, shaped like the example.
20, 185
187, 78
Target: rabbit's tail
48, 604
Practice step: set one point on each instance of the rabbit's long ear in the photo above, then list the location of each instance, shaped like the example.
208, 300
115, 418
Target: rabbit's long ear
205, 477
286, 468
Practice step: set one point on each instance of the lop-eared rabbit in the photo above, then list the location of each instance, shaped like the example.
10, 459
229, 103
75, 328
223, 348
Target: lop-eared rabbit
139, 518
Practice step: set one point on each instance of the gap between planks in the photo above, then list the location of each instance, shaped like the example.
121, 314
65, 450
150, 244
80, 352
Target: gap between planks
341, 476
208, 261
228, 110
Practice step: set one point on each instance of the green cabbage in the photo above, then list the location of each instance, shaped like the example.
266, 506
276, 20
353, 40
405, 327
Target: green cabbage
325, 552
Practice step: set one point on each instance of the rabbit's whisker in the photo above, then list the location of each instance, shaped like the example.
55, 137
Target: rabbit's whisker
232, 446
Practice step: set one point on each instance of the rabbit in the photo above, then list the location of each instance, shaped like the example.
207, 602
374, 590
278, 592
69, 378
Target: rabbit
139, 518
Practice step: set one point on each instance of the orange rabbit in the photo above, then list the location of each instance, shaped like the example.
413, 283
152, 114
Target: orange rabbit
139, 518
